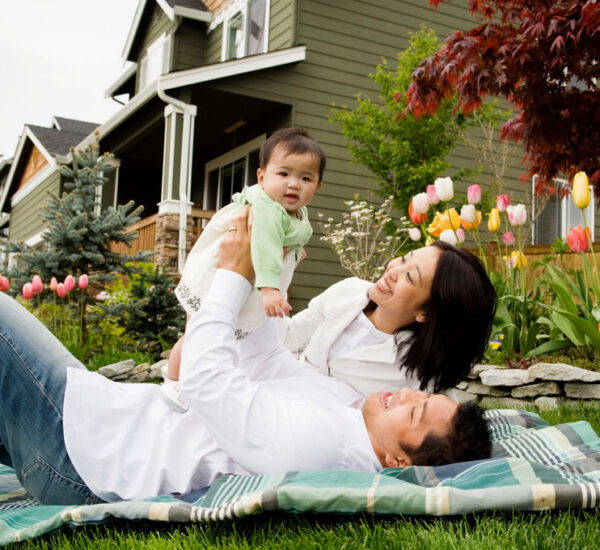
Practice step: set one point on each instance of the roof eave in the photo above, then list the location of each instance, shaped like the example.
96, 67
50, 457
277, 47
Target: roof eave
125, 76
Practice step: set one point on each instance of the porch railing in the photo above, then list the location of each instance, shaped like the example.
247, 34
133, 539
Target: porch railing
146, 230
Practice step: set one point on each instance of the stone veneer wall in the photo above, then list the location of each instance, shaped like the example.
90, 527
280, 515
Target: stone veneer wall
167, 241
544, 384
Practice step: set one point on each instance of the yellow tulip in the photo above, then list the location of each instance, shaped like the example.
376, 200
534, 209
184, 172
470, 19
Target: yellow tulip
494, 220
581, 190
516, 260
448, 220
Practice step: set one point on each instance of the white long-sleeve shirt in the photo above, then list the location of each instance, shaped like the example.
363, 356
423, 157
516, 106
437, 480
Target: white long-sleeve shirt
271, 415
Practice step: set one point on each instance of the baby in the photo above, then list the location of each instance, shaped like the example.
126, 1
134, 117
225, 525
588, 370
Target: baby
290, 170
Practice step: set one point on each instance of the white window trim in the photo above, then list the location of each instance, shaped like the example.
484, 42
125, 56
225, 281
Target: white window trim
163, 41
224, 16
590, 213
227, 158
98, 208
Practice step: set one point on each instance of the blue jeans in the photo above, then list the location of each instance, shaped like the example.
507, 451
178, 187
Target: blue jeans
33, 376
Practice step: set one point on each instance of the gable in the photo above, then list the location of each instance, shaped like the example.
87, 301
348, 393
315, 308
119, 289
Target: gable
33, 165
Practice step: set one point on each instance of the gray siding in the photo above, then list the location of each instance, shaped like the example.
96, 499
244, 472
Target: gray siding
282, 23
25, 220
189, 46
214, 43
345, 41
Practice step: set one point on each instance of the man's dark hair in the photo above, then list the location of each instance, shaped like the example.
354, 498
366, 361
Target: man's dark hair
295, 141
468, 439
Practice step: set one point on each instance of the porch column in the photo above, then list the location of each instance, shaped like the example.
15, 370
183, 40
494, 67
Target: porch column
174, 224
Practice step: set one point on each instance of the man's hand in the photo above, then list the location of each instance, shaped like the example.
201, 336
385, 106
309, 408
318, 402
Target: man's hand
235, 246
274, 303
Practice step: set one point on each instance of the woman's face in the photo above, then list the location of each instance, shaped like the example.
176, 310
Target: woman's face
404, 288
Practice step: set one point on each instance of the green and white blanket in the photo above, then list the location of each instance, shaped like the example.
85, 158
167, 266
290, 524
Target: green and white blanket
534, 467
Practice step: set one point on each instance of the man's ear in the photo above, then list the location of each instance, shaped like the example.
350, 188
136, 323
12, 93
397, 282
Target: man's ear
400, 460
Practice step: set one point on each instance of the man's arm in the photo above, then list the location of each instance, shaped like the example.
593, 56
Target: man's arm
263, 430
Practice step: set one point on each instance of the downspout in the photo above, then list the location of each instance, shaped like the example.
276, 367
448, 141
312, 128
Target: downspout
185, 171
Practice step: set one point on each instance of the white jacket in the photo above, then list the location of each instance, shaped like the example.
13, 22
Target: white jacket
368, 369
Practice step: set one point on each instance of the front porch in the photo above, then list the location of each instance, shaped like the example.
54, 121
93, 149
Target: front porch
159, 234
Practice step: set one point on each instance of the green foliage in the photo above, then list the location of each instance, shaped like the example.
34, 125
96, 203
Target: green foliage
404, 155
79, 237
147, 309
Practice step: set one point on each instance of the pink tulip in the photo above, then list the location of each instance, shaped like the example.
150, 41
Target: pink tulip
502, 202
517, 215
37, 284
27, 291
61, 291
576, 239
69, 283
4, 283
83, 282
53, 284
508, 238
414, 233
432, 195
460, 233
474, 194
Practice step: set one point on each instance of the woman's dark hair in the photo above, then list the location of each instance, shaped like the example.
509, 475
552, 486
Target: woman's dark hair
294, 140
458, 321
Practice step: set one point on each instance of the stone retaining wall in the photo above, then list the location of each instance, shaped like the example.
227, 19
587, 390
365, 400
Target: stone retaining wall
544, 384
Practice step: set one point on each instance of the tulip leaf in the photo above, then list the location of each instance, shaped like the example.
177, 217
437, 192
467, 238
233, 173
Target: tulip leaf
548, 347
564, 297
567, 328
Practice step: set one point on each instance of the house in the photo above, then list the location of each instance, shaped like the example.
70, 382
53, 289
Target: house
205, 83
33, 172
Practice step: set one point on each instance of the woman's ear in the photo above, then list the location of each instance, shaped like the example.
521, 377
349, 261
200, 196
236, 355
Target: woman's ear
421, 317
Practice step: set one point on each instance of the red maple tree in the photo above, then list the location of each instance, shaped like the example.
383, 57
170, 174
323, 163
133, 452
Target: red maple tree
541, 55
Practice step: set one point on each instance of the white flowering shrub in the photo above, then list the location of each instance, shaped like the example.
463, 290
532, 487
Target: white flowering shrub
362, 240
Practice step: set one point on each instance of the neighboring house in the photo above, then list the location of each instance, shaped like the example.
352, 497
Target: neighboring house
207, 82
35, 171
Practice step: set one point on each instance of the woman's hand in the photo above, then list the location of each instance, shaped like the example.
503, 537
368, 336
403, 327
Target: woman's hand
235, 246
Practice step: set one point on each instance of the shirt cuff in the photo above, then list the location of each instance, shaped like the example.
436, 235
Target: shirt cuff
229, 289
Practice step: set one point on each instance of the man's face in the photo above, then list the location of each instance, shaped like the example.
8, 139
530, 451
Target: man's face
404, 419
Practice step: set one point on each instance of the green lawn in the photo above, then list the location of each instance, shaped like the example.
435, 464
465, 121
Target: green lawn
555, 530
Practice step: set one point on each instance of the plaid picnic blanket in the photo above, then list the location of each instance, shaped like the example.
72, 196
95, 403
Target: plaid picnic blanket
534, 466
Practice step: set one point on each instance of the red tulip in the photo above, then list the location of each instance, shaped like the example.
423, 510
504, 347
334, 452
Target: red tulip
83, 282
414, 217
27, 291
4, 283
579, 239
37, 284
69, 283
61, 291
53, 284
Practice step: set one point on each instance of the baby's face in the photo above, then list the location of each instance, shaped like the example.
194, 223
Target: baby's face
290, 179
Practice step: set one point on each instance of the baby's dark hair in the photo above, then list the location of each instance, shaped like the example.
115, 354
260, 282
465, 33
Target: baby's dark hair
294, 140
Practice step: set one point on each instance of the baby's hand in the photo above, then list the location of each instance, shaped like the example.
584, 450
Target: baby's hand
274, 303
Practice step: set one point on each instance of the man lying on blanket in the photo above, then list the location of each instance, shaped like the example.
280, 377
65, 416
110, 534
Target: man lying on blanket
75, 437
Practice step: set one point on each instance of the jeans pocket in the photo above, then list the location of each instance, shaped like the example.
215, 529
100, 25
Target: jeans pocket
49, 486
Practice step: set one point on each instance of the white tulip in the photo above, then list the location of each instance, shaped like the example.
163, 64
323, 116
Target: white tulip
468, 213
448, 236
420, 203
444, 188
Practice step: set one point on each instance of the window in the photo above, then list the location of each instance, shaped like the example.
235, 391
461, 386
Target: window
245, 28
559, 215
156, 61
229, 173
